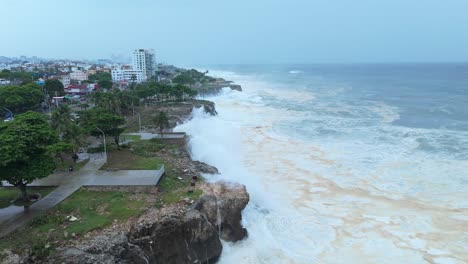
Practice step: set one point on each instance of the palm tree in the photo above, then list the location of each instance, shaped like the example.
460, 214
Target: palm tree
62, 121
161, 121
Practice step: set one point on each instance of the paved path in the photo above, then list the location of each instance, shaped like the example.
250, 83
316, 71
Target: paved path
69, 182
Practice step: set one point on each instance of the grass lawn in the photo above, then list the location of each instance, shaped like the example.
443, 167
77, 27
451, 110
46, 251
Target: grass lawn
94, 209
125, 159
133, 138
65, 165
8, 194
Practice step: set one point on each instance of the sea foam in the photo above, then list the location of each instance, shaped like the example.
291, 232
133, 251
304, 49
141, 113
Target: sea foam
363, 194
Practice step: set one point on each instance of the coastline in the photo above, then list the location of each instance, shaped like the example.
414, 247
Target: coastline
336, 186
230, 199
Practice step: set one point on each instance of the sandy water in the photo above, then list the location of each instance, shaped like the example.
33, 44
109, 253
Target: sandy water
351, 194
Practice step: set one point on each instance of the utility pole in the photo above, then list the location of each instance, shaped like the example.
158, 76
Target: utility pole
56, 99
105, 148
139, 121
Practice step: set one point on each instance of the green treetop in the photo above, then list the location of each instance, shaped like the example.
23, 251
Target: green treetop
24, 144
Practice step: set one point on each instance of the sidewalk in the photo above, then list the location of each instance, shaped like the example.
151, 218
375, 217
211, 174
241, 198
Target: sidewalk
69, 182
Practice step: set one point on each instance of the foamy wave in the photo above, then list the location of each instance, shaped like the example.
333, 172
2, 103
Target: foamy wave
295, 72
367, 194
388, 113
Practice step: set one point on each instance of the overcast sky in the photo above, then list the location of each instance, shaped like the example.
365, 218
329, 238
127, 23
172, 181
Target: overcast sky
198, 32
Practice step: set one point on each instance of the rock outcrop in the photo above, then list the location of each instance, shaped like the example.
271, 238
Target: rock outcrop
202, 167
178, 112
223, 204
175, 234
168, 236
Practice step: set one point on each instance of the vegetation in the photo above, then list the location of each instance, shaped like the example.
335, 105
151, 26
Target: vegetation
100, 76
98, 119
105, 84
191, 77
21, 98
163, 92
128, 160
24, 156
54, 87
24, 77
162, 122
92, 208
67, 128
7, 194
59, 148
115, 101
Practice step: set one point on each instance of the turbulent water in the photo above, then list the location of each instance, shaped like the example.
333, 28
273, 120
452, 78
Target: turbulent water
344, 163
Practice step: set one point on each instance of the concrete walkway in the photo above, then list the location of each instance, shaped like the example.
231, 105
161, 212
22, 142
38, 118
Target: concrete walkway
69, 182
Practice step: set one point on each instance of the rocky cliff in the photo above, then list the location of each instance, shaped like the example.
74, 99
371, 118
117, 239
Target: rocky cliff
222, 204
178, 112
178, 234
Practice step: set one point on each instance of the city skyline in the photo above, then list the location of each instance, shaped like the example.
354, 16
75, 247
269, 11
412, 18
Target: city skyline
241, 32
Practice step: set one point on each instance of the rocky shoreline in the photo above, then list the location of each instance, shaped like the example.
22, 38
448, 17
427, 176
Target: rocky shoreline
185, 232
181, 233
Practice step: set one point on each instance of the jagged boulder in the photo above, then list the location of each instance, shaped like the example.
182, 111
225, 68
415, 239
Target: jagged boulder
171, 236
174, 235
112, 247
202, 167
223, 203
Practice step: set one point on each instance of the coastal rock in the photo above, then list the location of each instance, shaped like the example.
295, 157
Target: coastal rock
112, 247
172, 236
236, 87
178, 112
8, 257
202, 167
223, 203
215, 88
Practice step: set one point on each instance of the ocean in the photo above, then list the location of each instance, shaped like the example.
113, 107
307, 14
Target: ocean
343, 163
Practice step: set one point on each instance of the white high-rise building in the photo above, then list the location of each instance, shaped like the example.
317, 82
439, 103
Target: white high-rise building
144, 60
143, 67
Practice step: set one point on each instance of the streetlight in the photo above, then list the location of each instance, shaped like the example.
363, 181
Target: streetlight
105, 149
139, 121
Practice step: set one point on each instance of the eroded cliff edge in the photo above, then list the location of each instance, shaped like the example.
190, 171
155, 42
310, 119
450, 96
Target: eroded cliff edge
182, 233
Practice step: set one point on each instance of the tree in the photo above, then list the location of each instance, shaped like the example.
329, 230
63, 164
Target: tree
108, 101
53, 87
68, 130
105, 84
60, 148
84, 106
109, 123
24, 153
183, 78
21, 98
100, 76
161, 121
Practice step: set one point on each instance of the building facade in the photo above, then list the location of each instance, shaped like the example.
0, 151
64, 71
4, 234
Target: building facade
127, 75
143, 68
144, 60
79, 76
65, 79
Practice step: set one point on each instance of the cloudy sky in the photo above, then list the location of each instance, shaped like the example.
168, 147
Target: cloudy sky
198, 32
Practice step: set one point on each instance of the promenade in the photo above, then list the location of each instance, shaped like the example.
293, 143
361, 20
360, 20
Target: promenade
69, 182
